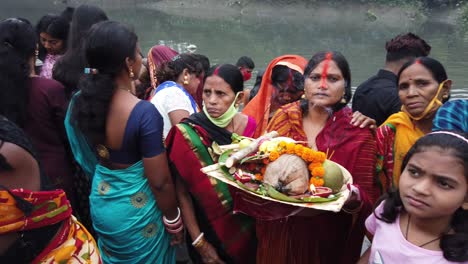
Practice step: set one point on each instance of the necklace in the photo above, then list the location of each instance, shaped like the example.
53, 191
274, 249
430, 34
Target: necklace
424, 244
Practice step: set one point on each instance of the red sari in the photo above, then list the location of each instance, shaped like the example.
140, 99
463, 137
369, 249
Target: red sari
231, 234
327, 237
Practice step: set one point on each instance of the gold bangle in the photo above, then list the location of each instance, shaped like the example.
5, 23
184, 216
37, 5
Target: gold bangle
199, 243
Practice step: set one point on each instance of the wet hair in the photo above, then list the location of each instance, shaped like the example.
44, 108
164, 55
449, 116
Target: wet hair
342, 64
170, 70
407, 46
107, 46
230, 74
17, 47
69, 68
245, 62
453, 245
434, 66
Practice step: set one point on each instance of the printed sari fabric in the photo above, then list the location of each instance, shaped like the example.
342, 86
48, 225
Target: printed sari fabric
259, 106
327, 237
71, 244
188, 147
123, 208
394, 138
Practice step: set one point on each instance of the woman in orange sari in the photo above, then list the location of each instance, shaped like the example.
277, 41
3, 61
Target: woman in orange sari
323, 120
272, 95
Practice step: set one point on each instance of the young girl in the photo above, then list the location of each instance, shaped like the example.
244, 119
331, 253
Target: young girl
424, 220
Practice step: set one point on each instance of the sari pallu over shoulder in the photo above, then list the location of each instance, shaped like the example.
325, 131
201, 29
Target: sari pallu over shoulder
232, 235
123, 208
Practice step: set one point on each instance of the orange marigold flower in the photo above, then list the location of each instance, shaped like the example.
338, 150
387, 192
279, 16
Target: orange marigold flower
259, 177
282, 144
317, 182
321, 156
274, 155
318, 172
262, 170
290, 148
314, 165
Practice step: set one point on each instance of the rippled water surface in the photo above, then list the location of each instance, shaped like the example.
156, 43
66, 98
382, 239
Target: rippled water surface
263, 34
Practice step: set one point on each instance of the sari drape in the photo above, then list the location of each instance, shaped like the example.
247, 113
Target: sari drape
394, 138
72, 243
123, 208
188, 147
327, 237
259, 106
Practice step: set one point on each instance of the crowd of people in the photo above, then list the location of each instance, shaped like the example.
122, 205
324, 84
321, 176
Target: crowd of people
101, 151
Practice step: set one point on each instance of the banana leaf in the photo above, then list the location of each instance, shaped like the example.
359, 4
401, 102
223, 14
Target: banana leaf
248, 189
222, 159
273, 193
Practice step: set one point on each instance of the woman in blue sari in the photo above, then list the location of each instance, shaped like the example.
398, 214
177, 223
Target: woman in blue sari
117, 139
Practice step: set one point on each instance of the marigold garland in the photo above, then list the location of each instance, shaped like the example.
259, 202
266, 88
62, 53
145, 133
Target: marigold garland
314, 159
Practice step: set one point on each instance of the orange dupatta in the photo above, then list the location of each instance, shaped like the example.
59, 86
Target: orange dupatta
259, 106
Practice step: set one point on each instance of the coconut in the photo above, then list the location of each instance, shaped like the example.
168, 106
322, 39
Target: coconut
288, 174
333, 177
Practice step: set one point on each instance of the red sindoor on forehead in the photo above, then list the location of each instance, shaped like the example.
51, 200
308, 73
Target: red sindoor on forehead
216, 70
328, 58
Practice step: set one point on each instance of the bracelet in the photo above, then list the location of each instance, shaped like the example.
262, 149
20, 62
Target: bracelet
173, 220
175, 231
200, 243
174, 225
197, 240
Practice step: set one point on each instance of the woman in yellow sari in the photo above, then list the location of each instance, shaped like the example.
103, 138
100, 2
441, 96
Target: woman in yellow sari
423, 86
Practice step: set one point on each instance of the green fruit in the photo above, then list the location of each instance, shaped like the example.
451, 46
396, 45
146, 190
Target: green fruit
333, 177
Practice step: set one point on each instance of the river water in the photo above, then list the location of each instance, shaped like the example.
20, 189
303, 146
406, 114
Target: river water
264, 34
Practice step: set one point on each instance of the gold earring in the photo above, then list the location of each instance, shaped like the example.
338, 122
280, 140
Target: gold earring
343, 100
131, 74
186, 80
36, 53
445, 96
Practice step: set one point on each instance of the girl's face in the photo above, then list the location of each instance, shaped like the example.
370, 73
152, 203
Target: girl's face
52, 45
325, 84
433, 184
416, 88
217, 96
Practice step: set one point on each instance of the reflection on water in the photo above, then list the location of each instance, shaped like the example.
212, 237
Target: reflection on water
265, 36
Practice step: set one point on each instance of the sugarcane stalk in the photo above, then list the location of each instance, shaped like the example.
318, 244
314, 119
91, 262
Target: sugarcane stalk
239, 155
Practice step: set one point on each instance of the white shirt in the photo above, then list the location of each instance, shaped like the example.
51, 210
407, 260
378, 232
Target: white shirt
168, 100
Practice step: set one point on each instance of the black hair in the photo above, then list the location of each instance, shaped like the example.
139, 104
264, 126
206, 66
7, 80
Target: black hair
453, 245
69, 68
282, 73
246, 62
56, 26
230, 74
170, 70
342, 64
407, 46
434, 66
17, 47
107, 46
67, 13
205, 62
